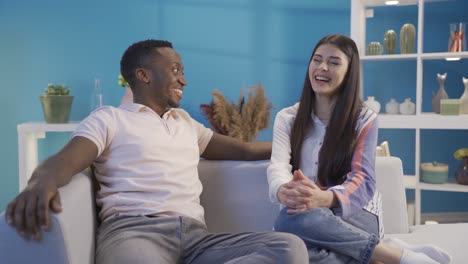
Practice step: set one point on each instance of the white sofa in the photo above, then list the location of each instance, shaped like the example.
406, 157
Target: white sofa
235, 200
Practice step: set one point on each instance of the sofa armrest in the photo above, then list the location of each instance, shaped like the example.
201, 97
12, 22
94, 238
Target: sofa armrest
70, 238
78, 219
389, 173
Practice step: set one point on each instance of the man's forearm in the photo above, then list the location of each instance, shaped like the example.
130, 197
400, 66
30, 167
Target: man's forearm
54, 170
259, 151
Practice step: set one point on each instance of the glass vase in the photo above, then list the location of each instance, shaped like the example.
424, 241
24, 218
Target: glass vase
457, 42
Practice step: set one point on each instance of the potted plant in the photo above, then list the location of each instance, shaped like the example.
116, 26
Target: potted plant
56, 103
461, 175
128, 96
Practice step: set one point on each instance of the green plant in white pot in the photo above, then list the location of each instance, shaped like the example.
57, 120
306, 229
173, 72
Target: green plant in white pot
56, 103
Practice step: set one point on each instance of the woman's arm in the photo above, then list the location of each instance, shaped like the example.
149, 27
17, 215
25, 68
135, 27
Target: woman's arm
360, 185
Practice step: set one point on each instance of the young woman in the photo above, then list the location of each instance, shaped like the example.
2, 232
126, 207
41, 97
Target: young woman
322, 169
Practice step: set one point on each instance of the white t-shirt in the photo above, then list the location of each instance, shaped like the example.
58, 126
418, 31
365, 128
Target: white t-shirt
146, 164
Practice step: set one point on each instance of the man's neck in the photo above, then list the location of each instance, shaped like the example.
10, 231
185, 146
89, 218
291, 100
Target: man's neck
152, 105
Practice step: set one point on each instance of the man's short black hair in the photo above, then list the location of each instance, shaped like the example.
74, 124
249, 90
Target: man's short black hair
137, 55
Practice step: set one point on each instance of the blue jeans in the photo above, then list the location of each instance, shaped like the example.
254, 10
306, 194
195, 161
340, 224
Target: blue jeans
330, 239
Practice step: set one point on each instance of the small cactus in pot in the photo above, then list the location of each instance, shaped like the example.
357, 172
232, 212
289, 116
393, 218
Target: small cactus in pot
390, 39
374, 48
407, 38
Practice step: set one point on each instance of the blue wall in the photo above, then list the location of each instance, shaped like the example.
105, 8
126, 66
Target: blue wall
225, 44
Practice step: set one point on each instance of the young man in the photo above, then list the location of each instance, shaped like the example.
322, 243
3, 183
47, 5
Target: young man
145, 156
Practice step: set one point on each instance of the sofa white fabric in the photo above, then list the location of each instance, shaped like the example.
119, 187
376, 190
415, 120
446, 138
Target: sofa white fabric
235, 198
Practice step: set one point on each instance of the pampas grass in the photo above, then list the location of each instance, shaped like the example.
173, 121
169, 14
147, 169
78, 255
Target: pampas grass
242, 120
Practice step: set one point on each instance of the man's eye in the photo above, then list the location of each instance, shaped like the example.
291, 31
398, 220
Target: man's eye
175, 70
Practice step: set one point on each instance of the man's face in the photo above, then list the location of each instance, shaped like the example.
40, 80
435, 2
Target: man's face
167, 78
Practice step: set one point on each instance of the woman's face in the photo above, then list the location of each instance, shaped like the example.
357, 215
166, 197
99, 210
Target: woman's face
327, 70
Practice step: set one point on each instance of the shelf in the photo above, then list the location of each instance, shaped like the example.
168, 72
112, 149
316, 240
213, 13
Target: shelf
374, 3
389, 57
424, 56
45, 127
450, 186
443, 55
28, 135
423, 121
409, 181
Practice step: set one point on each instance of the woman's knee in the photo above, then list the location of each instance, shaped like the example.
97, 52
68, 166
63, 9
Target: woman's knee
295, 223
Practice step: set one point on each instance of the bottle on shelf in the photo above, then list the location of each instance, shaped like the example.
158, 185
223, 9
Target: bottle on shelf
392, 107
373, 104
97, 99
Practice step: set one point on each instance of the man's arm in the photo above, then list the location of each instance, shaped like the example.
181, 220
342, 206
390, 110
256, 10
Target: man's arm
29, 211
223, 147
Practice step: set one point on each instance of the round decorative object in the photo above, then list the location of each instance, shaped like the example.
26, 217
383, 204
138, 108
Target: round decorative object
407, 38
373, 104
461, 175
390, 39
407, 107
392, 107
434, 172
374, 48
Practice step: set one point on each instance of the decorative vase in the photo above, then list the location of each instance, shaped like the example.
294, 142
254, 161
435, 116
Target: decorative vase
374, 48
373, 104
457, 41
464, 98
407, 38
407, 107
392, 107
390, 39
56, 108
461, 175
441, 93
128, 96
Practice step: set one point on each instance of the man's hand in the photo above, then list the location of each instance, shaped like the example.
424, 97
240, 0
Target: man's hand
301, 194
29, 211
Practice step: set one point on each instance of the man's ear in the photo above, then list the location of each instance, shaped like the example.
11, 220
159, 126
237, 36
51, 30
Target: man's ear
142, 75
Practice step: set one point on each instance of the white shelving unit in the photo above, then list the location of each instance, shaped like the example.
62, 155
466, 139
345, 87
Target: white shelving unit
28, 134
360, 11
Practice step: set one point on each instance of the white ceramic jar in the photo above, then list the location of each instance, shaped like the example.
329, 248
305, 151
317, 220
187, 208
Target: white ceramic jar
407, 107
373, 104
392, 107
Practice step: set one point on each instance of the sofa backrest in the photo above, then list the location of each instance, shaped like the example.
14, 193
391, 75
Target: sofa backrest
235, 195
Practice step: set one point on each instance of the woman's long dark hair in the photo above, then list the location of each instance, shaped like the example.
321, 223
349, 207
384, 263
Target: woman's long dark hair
340, 137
